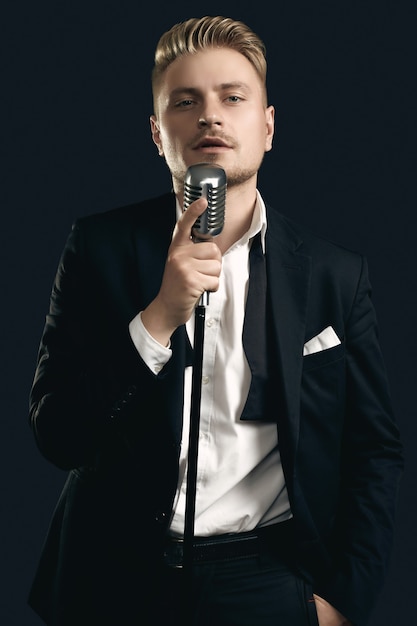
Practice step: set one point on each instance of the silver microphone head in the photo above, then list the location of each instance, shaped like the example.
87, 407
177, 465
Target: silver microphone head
207, 180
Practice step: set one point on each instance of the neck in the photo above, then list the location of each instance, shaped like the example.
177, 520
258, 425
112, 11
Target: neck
238, 218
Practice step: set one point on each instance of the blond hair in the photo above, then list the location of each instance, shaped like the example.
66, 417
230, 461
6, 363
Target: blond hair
197, 34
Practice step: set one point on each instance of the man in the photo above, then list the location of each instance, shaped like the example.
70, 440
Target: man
299, 455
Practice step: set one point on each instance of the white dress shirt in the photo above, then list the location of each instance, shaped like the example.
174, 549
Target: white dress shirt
240, 482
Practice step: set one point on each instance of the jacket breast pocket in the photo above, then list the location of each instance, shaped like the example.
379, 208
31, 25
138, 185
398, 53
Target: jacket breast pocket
323, 390
323, 358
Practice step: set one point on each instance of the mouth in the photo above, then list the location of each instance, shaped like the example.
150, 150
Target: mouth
210, 143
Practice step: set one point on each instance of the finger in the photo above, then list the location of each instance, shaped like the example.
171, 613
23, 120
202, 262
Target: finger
205, 250
210, 267
185, 223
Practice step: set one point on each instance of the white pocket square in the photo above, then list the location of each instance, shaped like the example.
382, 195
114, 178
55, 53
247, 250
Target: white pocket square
323, 341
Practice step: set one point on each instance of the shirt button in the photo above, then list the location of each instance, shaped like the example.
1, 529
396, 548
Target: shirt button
210, 322
158, 368
205, 380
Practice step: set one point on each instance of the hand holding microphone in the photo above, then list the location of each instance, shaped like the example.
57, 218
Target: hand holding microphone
191, 269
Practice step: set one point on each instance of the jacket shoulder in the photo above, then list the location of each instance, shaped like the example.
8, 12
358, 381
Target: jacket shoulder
314, 241
304, 241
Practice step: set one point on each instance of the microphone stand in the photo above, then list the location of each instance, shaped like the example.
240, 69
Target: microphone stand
195, 409
187, 599
209, 181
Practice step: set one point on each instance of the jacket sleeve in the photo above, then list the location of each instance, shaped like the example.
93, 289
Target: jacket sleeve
89, 379
371, 467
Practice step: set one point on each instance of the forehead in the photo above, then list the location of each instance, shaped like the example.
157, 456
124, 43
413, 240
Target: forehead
209, 69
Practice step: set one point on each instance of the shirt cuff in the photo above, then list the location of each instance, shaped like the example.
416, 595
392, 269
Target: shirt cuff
153, 353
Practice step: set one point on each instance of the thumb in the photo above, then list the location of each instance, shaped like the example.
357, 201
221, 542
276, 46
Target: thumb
182, 232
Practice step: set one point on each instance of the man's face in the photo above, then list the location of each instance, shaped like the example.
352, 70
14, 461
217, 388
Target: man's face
210, 107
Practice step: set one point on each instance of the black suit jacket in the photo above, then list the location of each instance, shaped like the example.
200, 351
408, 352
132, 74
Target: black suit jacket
98, 411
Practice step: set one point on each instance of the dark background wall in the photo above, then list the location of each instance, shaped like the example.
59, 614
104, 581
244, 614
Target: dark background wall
75, 140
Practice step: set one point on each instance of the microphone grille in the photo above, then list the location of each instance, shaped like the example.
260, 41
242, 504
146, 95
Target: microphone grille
208, 180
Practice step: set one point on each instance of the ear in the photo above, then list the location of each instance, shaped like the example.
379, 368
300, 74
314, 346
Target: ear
156, 134
270, 127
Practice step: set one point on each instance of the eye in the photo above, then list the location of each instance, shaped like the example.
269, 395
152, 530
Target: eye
234, 99
187, 102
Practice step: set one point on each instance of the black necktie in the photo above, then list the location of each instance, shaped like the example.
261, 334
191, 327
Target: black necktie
255, 334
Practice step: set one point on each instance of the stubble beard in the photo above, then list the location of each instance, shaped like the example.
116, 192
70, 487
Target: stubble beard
235, 177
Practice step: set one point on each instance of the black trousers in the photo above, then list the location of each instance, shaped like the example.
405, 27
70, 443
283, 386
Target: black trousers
253, 591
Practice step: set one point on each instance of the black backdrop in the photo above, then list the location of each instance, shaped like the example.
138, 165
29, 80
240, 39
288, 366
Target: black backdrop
76, 100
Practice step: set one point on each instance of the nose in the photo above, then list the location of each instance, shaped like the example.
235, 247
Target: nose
210, 113
209, 120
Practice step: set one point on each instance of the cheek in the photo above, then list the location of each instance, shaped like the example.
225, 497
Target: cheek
170, 138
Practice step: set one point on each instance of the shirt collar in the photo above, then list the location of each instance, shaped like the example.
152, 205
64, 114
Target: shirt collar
258, 221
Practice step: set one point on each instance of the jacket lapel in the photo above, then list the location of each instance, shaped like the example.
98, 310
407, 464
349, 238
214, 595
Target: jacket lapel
288, 272
154, 223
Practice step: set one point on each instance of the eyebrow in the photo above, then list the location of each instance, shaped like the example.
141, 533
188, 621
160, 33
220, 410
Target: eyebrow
222, 87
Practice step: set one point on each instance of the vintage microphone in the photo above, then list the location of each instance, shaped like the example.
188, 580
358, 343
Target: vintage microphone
209, 181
